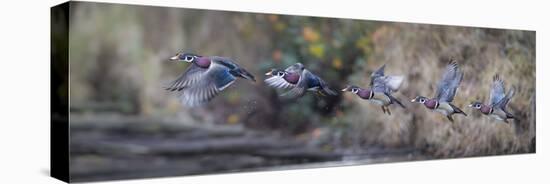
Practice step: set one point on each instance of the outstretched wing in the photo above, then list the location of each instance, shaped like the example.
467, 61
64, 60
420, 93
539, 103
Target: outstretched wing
497, 91
377, 74
393, 82
502, 104
278, 82
201, 85
233, 67
227, 62
386, 84
325, 89
302, 85
450, 80
192, 75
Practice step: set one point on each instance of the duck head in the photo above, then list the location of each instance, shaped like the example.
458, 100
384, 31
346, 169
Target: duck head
429, 103
363, 93
420, 99
481, 107
476, 105
203, 62
186, 57
352, 89
276, 72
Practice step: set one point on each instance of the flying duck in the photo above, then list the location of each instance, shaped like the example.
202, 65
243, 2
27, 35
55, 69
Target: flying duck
205, 77
298, 80
498, 101
381, 88
445, 93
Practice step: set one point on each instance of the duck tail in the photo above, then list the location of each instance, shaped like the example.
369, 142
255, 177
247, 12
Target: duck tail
325, 89
245, 74
462, 112
328, 91
511, 116
396, 101
458, 110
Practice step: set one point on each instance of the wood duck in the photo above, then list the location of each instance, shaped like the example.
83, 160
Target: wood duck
498, 101
381, 88
445, 93
282, 79
205, 77
298, 80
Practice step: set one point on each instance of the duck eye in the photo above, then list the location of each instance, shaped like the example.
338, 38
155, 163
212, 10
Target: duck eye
422, 100
188, 58
280, 73
478, 106
354, 90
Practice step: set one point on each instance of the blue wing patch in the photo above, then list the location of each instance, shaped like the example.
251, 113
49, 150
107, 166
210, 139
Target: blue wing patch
222, 79
312, 81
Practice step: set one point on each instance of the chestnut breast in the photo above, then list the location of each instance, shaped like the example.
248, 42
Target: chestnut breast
485, 109
292, 78
430, 103
364, 94
203, 62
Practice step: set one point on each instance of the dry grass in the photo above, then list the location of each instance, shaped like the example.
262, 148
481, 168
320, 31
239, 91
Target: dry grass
420, 52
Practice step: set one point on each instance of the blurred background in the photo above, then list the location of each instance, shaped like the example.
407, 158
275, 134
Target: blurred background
125, 125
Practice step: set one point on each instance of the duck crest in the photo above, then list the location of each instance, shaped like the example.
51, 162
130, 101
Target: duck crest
431, 103
203, 62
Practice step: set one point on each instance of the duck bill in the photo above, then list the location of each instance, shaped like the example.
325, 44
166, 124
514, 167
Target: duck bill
470, 106
413, 100
345, 89
174, 58
270, 73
